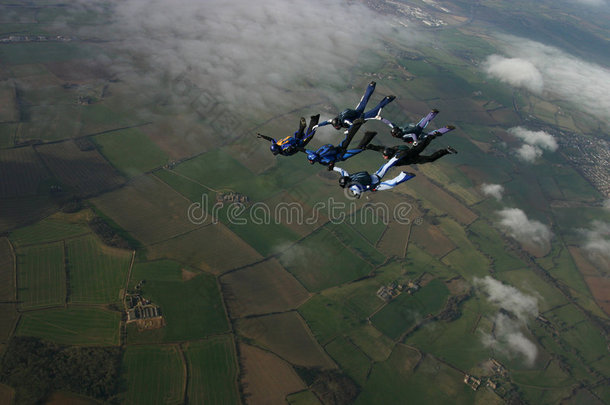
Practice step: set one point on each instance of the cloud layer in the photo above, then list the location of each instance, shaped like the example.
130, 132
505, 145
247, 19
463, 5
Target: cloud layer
248, 55
535, 143
526, 231
541, 68
517, 309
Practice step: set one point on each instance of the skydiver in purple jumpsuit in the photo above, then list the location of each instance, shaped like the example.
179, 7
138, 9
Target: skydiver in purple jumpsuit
413, 133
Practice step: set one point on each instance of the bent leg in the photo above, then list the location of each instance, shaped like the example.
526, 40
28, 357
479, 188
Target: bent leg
365, 98
384, 169
375, 112
428, 159
366, 139
423, 123
348, 154
313, 122
401, 178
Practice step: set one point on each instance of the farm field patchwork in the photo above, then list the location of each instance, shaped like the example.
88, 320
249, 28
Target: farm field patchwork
213, 371
154, 375
73, 325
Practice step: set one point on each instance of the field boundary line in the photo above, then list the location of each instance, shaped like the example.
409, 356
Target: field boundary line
14, 255
185, 372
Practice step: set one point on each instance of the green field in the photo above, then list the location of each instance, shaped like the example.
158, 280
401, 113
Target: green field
213, 371
457, 342
321, 261
286, 335
328, 318
153, 375
8, 317
431, 382
351, 359
356, 242
131, 151
7, 271
45, 231
41, 276
303, 398
97, 272
490, 242
405, 311
72, 326
219, 171
192, 308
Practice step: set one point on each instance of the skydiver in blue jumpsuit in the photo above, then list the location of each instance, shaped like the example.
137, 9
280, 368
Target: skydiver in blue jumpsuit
361, 182
413, 133
296, 143
328, 154
346, 118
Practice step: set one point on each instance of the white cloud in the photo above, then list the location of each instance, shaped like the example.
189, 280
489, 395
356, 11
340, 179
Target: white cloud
539, 67
494, 190
541, 139
529, 153
535, 143
509, 298
514, 71
596, 242
516, 309
524, 230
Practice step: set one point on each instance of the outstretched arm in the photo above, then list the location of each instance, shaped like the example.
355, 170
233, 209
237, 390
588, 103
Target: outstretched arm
401, 178
265, 137
341, 171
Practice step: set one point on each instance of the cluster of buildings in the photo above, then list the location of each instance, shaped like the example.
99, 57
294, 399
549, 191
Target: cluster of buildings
409, 12
591, 156
142, 311
232, 197
496, 368
394, 289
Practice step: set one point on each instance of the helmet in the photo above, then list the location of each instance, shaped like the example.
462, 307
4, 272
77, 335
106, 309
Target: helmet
388, 153
336, 123
343, 181
355, 190
396, 132
275, 148
312, 157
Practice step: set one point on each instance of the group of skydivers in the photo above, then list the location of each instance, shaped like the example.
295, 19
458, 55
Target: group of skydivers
351, 120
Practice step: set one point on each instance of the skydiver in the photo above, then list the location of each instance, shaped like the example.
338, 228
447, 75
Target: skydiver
346, 118
328, 154
296, 143
361, 182
412, 133
406, 155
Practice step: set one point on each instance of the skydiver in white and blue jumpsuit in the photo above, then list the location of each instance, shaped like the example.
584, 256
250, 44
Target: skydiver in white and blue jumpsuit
361, 182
